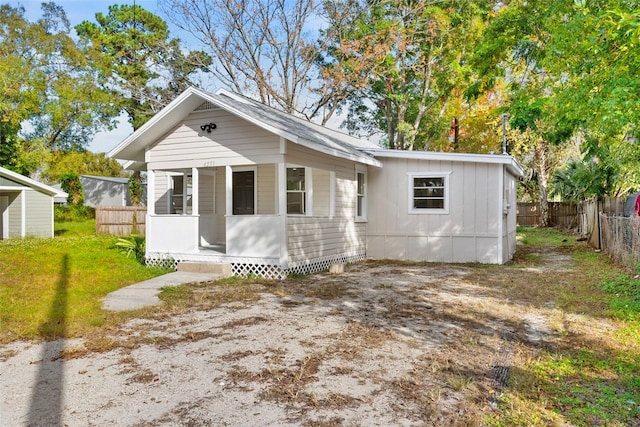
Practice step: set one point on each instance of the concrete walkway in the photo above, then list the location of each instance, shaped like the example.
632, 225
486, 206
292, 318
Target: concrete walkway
145, 293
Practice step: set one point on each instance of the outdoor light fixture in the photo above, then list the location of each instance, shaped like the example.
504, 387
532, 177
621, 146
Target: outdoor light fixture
208, 127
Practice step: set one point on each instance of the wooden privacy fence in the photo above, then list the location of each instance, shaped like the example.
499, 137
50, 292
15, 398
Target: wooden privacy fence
620, 238
120, 220
589, 216
561, 214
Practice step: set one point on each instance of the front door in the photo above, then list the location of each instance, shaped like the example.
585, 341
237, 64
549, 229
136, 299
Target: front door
4, 217
243, 193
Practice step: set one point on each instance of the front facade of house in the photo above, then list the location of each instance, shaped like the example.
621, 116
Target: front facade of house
232, 181
26, 206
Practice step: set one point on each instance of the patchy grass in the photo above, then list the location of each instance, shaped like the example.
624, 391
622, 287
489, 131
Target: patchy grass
456, 324
75, 228
589, 376
52, 288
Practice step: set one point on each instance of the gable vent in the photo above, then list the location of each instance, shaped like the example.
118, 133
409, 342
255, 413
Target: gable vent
207, 106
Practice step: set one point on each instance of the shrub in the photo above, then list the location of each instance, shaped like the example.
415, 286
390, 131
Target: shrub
73, 213
132, 245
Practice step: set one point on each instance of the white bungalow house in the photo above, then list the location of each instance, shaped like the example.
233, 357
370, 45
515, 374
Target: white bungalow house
26, 206
230, 180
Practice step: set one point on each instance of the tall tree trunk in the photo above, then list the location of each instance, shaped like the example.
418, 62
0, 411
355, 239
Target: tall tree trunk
541, 153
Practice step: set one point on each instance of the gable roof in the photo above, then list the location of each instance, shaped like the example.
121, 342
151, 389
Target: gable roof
31, 183
112, 179
294, 129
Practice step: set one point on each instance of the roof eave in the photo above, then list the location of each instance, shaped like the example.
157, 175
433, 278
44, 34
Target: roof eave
504, 159
32, 183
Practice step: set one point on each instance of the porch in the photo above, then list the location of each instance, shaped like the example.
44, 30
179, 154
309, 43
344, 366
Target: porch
265, 219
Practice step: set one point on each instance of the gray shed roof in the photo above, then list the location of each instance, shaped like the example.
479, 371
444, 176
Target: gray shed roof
31, 183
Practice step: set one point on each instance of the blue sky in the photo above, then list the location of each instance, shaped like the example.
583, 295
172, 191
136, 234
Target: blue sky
83, 10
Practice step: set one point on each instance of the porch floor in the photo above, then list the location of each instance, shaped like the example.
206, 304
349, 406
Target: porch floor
218, 249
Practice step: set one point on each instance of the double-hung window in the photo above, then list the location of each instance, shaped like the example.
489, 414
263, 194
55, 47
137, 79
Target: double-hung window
361, 195
429, 193
181, 194
296, 192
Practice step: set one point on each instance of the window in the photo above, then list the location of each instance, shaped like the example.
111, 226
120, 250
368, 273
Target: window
361, 195
243, 192
296, 194
180, 185
429, 193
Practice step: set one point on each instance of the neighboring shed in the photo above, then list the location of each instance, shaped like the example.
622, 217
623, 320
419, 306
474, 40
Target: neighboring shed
107, 191
26, 206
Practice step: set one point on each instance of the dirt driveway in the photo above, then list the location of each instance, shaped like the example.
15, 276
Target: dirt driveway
382, 344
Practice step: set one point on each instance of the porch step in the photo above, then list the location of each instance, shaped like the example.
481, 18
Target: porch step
205, 267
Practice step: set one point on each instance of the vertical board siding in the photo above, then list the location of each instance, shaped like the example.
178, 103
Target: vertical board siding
38, 214
120, 220
234, 141
468, 233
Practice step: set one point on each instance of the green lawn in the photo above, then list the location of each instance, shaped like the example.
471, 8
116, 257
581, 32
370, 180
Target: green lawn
52, 288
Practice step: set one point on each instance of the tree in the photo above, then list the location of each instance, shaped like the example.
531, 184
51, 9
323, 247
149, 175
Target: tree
81, 163
70, 184
399, 61
260, 47
47, 85
136, 58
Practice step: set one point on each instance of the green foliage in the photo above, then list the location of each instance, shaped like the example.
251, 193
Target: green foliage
71, 213
135, 189
625, 290
47, 82
81, 163
70, 183
135, 57
400, 61
133, 245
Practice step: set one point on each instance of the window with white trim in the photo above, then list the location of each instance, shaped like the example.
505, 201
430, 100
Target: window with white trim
296, 192
429, 193
181, 194
361, 195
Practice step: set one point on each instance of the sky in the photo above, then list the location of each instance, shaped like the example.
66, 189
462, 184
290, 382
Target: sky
85, 10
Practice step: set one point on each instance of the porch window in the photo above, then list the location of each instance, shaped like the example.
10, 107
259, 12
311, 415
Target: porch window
181, 194
361, 196
243, 192
296, 193
429, 193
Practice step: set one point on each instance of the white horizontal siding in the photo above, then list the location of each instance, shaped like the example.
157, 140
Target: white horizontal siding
312, 238
234, 141
345, 194
266, 179
15, 215
38, 214
161, 193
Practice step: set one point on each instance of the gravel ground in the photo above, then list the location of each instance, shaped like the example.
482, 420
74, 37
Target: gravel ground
378, 345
